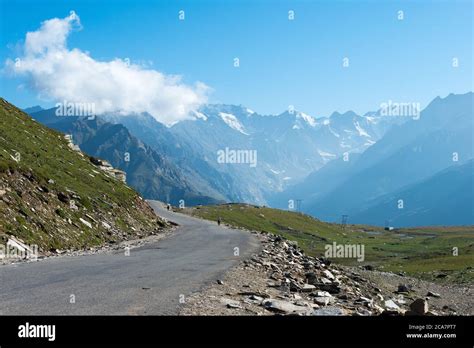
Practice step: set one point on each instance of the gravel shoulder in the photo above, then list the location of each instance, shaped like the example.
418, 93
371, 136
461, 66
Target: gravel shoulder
281, 280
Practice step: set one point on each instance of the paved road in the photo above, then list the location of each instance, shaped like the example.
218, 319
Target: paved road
149, 281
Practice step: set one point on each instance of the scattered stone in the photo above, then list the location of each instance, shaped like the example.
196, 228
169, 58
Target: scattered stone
400, 300
404, 288
283, 307
330, 310
323, 301
87, 223
331, 288
365, 300
328, 274
308, 288
390, 305
294, 286
419, 306
433, 294
312, 278
363, 312
229, 303
256, 298
326, 281
63, 197
322, 294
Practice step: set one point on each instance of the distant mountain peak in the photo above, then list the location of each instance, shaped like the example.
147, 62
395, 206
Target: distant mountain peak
33, 109
348, 113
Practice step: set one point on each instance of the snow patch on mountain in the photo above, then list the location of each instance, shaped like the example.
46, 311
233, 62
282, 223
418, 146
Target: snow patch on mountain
309, 119
361, 130
371, 119
325, 154
200, 115
344, 145
232, 122
333, 132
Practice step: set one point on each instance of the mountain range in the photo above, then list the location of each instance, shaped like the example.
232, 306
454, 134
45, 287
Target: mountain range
408, 154
344, 164
148, 170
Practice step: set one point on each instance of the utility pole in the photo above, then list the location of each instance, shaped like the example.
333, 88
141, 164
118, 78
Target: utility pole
344, 221
298, 205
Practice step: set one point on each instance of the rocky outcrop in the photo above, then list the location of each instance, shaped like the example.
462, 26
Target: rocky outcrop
109, 169
100, 163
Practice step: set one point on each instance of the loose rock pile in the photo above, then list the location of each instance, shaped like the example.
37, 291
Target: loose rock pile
282, 280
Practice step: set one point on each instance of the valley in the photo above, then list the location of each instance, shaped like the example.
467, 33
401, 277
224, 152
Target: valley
219, 172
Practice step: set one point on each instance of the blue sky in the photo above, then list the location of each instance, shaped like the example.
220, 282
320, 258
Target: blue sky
282, 62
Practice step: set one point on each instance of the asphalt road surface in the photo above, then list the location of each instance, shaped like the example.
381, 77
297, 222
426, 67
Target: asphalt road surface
153, 280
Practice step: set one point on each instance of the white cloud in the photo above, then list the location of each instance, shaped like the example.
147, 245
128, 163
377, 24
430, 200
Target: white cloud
115, 86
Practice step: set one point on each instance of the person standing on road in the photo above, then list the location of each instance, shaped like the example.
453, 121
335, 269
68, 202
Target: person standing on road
219, 221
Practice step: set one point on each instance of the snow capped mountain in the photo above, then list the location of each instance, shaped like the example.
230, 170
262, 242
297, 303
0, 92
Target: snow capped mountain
411, 152
263, 153
289, 146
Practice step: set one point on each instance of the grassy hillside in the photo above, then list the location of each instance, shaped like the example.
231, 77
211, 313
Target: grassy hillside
52, 196
422, 252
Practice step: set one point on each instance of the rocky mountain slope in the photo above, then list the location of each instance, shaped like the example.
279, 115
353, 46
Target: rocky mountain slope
446, 198
54, 196
186, 156
407, 154
149, 170
287, 146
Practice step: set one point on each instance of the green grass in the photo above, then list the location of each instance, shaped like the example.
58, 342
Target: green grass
31, 210
421, 252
